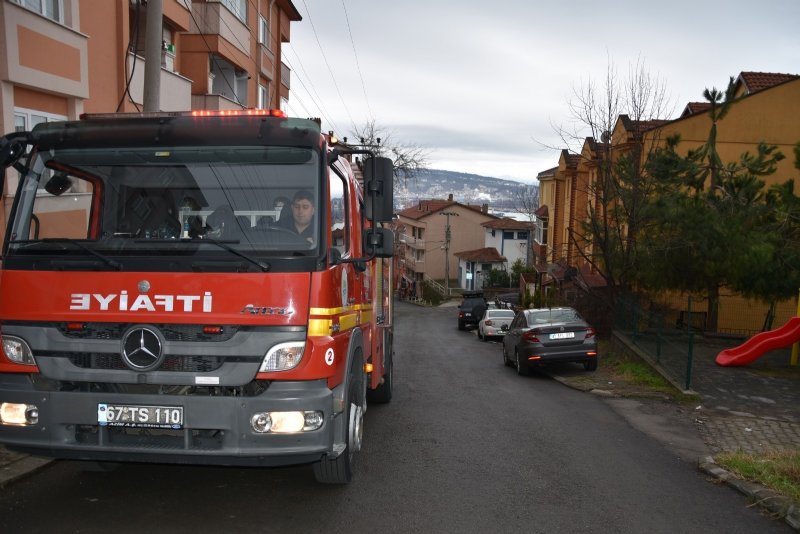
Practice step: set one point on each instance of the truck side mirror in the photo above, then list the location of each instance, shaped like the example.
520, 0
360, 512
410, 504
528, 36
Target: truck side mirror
378, 242
378, 189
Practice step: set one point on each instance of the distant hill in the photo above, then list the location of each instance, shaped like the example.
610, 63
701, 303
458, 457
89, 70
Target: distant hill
466, 188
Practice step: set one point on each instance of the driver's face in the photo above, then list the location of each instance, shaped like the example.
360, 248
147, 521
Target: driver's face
303, 212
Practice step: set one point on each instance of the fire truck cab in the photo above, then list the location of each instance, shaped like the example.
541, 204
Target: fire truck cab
155, 306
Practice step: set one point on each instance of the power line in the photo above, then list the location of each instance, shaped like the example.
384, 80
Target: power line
330, 70
319, 105
358, 66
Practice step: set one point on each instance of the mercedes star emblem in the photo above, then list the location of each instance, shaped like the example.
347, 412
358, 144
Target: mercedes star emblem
142, 349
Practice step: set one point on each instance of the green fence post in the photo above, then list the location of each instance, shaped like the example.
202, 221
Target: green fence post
691, 346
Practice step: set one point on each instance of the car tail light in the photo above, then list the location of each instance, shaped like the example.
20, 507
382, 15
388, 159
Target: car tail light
460, 315
488, 322
530, 335
590, 332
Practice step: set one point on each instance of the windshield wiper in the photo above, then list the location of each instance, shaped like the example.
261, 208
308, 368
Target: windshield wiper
108, 261
221, 244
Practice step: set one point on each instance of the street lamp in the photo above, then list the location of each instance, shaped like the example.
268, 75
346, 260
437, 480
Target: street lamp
447, 250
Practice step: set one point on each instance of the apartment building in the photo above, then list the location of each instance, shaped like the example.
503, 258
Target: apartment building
61, 58
432, 232
767, 109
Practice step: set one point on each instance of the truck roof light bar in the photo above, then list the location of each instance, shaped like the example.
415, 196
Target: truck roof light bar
194, 113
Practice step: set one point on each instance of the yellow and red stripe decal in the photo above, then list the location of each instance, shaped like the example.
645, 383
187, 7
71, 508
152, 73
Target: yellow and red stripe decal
322, 321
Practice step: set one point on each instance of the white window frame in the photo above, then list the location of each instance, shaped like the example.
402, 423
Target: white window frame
238, 8
263, 97
263, 31
41, 7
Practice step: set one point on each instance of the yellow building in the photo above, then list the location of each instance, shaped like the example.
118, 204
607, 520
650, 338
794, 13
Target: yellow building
766, 109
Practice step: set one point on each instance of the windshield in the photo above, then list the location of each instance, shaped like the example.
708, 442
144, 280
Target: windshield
260, 201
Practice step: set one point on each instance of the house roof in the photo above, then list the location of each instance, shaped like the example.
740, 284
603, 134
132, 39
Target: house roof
488, 255
529, 278
549, 173
429, 207
641, 126
542, 211
754, 82
693, 108
506, 223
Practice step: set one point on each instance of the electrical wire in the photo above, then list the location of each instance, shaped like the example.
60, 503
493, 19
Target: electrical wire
213, 57
129, 77
358, 65
330, 70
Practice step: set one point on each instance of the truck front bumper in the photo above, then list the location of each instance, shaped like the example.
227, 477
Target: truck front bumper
216, 429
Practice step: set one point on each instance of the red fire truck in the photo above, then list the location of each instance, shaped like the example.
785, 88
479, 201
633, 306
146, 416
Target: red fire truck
158, 305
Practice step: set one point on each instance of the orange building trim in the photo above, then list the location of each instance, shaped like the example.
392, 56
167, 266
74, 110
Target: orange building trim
42, 53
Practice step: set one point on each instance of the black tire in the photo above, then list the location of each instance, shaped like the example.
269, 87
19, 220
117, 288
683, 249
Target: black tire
506, 361
461, 325
383, 393
340, 469
522, 368
590, 365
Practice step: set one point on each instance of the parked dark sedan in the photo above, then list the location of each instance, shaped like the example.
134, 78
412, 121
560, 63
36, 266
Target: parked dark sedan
541, 336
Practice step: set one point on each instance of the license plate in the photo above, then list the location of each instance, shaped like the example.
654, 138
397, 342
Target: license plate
562, 335
140, 416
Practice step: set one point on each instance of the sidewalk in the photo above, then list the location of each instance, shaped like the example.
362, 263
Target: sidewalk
14, 466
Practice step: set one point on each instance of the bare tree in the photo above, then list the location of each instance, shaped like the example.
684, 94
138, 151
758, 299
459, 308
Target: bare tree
614, 215
408, 158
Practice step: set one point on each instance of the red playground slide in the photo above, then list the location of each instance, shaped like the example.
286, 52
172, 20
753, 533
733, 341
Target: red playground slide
756, 346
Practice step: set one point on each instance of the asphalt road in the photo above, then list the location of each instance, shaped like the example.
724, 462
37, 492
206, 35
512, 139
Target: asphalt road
465, 446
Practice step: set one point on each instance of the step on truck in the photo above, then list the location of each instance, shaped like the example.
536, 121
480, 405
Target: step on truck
158, 305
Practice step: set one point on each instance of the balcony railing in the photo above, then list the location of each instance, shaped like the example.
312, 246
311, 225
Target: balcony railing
413, 242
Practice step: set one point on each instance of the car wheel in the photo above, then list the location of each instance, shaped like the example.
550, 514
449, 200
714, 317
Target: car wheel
461, 325
506, 361
522, 368
590, 365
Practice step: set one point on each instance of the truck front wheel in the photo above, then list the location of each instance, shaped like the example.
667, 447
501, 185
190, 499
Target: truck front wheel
340, 469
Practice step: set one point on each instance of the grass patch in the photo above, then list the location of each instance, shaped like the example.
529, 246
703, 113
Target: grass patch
779, 471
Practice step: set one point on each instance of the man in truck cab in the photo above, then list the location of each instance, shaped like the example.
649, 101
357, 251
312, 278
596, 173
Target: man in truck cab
303, 210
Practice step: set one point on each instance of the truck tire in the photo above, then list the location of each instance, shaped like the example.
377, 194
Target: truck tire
340, 469
383, 393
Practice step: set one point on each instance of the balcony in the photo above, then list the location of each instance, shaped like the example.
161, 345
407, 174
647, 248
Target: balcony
412, 242
175, 91
215, 19
42, 54
286, 74
267, 65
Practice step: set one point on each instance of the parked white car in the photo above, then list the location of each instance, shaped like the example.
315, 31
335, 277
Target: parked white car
492, 322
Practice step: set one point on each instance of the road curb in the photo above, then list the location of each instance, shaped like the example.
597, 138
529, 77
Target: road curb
778, 505
22, 467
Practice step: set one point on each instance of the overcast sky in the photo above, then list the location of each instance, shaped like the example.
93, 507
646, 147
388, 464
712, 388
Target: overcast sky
481, 84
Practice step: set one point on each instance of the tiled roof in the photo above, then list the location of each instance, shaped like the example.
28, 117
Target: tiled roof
529, 278
425, 207
489, 255
641, 126
758, 81
573, 160
549, 173
428, 207
542, 211
693, 108
507, 223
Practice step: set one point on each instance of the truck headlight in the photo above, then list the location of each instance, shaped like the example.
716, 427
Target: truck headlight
283, 356
17, 350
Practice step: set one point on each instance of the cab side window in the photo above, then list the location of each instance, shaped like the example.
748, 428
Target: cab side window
340, 224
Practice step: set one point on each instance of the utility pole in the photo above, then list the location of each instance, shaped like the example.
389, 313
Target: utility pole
152, 55
447, 250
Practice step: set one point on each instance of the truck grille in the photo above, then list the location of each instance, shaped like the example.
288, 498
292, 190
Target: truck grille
175, 363
171, 332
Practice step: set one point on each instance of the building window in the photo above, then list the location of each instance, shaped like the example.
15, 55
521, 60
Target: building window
541, 232
19, 122
263, 32
52, 9
522, 235
238, 8
263, 97
508, 235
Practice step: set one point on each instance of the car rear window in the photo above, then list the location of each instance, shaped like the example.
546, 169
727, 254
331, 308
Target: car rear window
552, 316
497, 314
